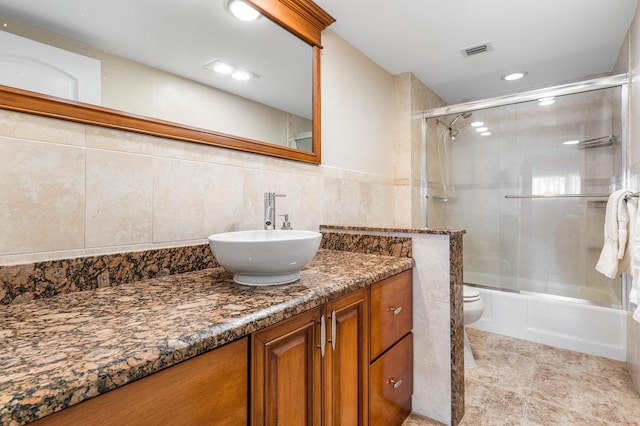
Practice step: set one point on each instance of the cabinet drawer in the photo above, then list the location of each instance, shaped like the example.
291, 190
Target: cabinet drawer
392, 384
391, 311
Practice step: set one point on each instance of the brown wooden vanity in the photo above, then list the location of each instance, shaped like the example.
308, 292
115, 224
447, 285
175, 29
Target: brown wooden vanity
279, 375
209, 389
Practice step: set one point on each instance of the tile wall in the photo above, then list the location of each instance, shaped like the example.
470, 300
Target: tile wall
410, 156
74, 190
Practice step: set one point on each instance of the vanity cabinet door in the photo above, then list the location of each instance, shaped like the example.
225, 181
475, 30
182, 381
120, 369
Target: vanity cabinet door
210, 389
391, 311
286, 375
346, 362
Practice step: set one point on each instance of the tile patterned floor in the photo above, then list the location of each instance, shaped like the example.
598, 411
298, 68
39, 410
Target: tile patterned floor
517, 382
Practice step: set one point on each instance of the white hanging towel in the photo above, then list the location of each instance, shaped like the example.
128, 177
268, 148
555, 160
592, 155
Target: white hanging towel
615, 254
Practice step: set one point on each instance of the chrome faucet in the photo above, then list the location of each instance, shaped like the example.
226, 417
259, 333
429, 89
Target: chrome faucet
270, 209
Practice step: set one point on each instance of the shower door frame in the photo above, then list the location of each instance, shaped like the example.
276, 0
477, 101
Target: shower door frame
617, 80
532, 95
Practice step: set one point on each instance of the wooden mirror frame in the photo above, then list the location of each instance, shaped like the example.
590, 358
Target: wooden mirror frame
303, 18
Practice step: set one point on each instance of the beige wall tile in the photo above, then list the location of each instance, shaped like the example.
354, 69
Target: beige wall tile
256, 183
403, 207
179, 190
332, 201
223, 199
32, 127
418, 206
118, 140
303, 202
42, 206
356, 202
119, 199
381, 210
30, 257
95, 251
401, 126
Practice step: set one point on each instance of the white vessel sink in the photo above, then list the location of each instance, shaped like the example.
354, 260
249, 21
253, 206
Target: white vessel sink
265, 257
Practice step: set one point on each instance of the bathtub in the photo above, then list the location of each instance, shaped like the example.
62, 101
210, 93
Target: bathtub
556, 322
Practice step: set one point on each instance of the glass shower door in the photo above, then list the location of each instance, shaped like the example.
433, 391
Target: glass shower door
530, 193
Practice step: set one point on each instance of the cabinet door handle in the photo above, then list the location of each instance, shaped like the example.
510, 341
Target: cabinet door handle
333, 330
396, 383
323, 335
395, 311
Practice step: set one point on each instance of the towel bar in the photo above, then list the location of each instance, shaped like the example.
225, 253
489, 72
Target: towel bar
559, 196
635, 194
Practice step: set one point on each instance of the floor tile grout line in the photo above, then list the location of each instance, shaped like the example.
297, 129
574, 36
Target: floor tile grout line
530, 390
502, 388
523, 420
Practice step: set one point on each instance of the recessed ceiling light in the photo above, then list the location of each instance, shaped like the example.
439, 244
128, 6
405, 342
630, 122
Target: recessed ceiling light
229, 70
485, 134
222, 68
571, 143
546, 101
242, 10
241, 75
477, 123
514, 76
482, 129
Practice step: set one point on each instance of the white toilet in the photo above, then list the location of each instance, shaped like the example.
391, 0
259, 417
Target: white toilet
473, 309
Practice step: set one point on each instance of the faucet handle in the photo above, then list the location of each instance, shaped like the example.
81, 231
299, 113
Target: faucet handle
272, 195
286, 224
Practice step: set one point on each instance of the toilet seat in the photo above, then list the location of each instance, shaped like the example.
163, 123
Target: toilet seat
470, 294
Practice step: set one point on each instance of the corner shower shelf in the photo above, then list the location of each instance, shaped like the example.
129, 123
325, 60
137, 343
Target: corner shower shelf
442, 198
598, 142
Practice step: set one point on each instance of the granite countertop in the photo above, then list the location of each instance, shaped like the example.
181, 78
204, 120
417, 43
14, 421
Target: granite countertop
59, 351
349, 228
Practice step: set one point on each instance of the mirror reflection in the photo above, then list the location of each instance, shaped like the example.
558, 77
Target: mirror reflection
162, 59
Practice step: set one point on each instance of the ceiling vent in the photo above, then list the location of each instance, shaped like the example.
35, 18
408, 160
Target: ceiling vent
475, 50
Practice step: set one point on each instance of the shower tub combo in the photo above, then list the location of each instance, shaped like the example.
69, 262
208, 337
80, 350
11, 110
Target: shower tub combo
528, 177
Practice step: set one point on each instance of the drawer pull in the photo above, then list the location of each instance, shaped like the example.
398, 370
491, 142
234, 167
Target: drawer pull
333, 330
396, 383
323, 335
395, 311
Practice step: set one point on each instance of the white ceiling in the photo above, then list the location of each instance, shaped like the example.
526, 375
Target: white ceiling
553, 40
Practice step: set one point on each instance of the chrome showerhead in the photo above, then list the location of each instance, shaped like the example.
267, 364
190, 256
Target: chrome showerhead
454, 132
464, 115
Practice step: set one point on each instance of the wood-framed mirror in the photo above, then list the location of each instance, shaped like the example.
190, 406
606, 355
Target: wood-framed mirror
277, 114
